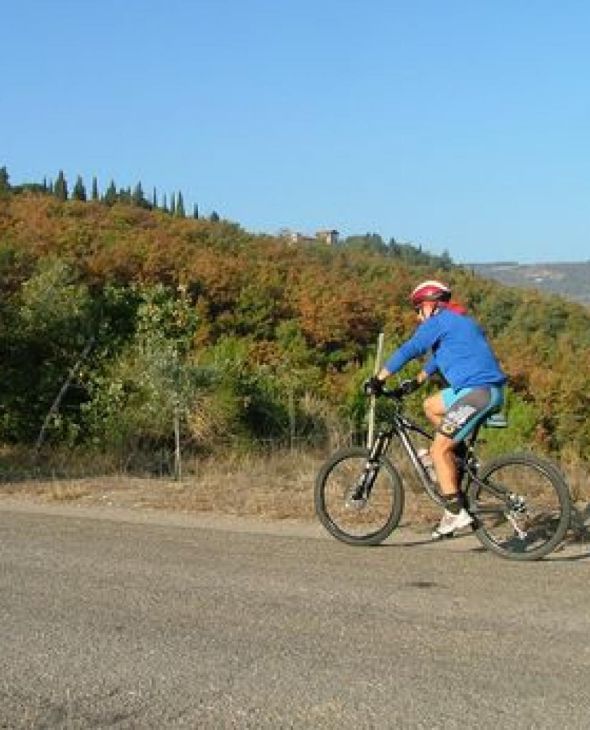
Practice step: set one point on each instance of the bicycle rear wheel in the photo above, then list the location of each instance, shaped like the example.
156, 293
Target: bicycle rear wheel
351, 512
521, 505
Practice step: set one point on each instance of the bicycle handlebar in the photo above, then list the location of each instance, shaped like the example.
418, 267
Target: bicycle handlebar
397, 393
375, 387
406, 387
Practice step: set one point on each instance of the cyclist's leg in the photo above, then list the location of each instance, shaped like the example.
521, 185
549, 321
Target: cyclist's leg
464, 411
455, 414
435, 406
441, 450
455, 517
443, 456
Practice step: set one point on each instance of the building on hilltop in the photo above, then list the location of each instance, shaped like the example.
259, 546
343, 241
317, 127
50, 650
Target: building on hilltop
330, 237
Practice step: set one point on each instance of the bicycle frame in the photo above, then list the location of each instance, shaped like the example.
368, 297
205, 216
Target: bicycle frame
401, 427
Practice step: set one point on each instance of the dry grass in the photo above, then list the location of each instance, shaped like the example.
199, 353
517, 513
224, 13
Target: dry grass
274, 486
67, 492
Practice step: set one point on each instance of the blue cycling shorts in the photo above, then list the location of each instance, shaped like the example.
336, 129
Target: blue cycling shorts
467, 408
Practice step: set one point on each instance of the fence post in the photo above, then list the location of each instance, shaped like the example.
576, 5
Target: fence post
177, 374
177, 452
371, 429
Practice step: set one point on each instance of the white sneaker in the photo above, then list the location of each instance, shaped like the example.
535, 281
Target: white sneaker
450, 522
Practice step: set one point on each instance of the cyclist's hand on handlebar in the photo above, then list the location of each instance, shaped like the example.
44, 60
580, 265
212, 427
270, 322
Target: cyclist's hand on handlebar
373, 386
406, 387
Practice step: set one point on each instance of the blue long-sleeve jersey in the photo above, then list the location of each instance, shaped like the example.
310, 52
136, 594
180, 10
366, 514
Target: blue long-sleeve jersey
460, 351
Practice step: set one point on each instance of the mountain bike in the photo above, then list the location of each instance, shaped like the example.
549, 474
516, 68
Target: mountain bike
520, 503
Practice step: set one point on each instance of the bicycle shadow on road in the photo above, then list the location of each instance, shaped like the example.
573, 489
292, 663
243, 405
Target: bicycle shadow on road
578, 537
412, 538
580, 523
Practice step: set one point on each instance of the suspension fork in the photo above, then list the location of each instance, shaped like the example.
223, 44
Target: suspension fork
367, 478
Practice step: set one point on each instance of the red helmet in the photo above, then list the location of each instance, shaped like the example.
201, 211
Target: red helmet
430, 291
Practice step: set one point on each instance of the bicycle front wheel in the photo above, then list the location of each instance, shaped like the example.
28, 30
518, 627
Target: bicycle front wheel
521, 505
352, 512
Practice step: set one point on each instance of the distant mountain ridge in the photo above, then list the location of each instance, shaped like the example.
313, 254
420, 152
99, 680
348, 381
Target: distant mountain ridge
568, 279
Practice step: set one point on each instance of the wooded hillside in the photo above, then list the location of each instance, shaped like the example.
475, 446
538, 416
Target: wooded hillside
145, 315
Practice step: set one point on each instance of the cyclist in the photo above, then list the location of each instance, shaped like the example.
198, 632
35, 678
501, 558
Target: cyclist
462, 354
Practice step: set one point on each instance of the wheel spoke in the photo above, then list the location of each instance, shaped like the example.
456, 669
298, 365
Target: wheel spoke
361, 516
521, 506
355, 505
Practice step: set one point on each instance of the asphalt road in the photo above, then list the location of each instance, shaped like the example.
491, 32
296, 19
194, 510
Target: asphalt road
157, 622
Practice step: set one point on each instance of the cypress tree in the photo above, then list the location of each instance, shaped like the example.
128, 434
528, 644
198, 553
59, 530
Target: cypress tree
154, 199
137, 197
214, 217
79, 191
60, 189
180, 206
173, 204
196, 212
95, 195
4, 178
164, 203
110, 197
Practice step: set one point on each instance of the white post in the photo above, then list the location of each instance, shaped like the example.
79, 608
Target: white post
371, 429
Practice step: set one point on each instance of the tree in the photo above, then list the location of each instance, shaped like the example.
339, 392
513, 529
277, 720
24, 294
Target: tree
154, 199
110, 197
79, 191
4, 184
60, 189
173, 204
137, 197
148, 390
446, 262
196, 211
180, 213
52, 320
94, 194
368, 242
214, 217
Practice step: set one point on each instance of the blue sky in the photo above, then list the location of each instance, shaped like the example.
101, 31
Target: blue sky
460, 125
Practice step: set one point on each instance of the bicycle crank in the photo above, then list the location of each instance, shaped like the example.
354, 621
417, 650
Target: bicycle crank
517, 509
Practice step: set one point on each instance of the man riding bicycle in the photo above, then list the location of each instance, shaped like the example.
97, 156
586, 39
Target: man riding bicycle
461, 353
